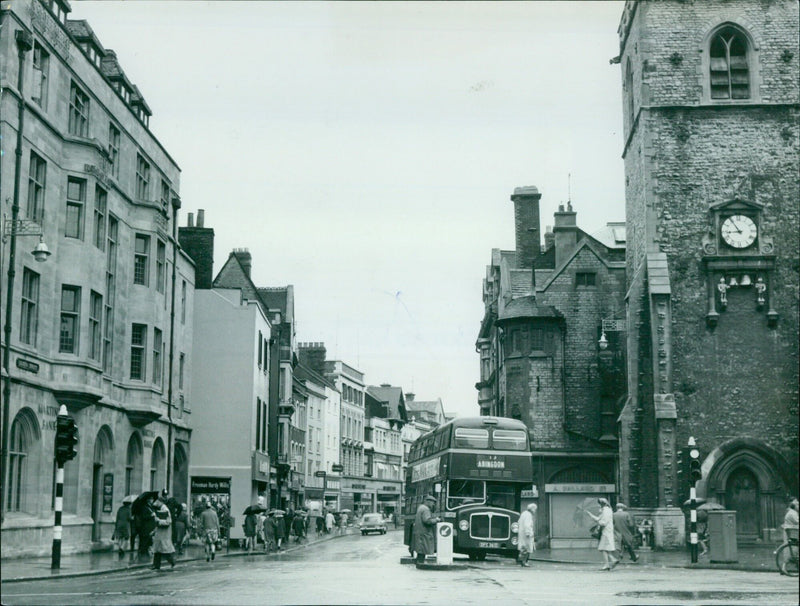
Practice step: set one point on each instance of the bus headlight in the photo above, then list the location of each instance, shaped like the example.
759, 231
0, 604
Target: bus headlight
515, 528
463, 525
514, 540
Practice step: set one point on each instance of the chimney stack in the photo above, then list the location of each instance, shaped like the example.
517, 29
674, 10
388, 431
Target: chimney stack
244, 257
526, 225
410, 397
198, 243
549, 238
565, 232
312, 355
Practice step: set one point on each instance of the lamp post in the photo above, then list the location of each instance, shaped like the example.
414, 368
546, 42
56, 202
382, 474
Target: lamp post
11, 229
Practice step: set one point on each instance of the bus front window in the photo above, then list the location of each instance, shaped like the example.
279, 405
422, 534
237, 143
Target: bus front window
501, 495
465, 492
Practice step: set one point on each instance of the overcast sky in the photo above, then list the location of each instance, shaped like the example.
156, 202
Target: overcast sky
365, 153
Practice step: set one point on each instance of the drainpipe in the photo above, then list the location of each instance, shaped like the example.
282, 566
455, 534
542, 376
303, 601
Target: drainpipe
24, 45
176, 204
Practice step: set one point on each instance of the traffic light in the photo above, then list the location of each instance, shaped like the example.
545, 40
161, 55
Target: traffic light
66, 439
695, 473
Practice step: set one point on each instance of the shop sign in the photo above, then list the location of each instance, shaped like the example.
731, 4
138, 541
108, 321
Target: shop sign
590, 488
533, 493
389, 488
261, 467
333, 484
108, 493
23, 364
359, 486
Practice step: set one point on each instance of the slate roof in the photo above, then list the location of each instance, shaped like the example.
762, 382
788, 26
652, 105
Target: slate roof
392, 397
526, 307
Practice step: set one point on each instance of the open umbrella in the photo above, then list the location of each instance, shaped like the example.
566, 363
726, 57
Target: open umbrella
254, 509
140, 502
129, 499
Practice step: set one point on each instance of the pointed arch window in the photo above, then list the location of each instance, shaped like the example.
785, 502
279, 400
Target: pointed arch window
729, 70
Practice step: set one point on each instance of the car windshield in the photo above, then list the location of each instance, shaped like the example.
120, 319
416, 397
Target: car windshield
373, 518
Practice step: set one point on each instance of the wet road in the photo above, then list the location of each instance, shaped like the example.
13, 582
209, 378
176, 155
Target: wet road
366, 570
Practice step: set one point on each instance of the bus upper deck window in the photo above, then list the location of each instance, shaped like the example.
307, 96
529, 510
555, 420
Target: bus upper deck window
508, 439
471, 438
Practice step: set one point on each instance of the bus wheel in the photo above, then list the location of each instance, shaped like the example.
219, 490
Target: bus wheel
480, 557
472, 556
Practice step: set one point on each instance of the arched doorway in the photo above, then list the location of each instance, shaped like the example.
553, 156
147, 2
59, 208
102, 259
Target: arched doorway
742, 495
753, 479
133, 465
23, 463
180, 478
157, 466
103, 458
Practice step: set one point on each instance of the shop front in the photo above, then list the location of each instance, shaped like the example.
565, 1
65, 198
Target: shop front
388, 499
332, 495
568, 503
260, 475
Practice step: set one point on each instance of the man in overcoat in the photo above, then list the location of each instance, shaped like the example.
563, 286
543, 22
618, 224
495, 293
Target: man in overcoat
162, 542
624, 528
423, 537
526, 539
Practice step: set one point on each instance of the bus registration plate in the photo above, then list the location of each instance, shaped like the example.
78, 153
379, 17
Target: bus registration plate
488, 545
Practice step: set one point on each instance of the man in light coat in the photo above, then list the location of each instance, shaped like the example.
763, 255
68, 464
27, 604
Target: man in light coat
526, 540
423, 538
162, 542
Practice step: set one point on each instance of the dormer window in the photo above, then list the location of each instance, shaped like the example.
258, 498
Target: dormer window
729, 73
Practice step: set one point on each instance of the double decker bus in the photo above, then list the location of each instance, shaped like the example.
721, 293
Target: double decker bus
477, 468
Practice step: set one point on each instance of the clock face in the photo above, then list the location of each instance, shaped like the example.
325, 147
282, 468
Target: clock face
739, 231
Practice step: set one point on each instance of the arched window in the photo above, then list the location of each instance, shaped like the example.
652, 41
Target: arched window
133, 465
22, 470
157, 468
729, 73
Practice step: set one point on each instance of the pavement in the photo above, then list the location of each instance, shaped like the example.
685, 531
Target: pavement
752, 557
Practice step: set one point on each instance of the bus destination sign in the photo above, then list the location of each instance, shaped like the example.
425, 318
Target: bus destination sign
490, 462
425, 470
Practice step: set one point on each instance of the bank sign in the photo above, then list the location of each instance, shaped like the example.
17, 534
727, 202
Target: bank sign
425, 470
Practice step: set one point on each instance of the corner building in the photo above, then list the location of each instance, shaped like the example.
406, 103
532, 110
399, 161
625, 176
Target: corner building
104, 325
710, 101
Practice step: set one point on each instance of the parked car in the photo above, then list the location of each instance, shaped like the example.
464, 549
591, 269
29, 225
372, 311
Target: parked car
372, 522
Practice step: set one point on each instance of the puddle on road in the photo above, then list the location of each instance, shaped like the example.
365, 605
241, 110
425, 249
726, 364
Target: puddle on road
705, 595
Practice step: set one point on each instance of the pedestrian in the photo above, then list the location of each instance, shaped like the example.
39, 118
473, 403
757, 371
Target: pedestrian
162, 542
260, 517
423, 538
791, 521
624, 528
279, 525
208, 528
526, 539
249, 527
122, 528
329, 519
181, 528
343, 523
146, 527
320, 521
299, 524
269, 532
606, 545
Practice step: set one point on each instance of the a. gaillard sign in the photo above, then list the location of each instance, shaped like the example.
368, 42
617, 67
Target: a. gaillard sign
425, 470
591, 488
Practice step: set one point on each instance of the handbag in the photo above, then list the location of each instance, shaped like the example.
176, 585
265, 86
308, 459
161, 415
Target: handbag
595, 531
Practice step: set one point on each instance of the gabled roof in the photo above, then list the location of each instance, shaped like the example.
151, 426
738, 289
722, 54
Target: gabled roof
83, 32
393, 398
595, 247
304, 373
612, 236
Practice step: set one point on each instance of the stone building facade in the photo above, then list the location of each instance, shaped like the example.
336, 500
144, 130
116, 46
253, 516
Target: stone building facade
547, 360
710, 103
104, 326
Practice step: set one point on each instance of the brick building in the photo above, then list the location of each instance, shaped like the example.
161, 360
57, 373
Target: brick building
104, 326
545, 358
710, 102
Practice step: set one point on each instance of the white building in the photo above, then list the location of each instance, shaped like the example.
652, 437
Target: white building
230, 383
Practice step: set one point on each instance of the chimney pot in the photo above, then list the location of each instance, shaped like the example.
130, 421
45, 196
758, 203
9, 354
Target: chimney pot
201, 215
190, 222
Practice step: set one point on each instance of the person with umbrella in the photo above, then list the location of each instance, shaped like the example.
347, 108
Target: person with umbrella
142, 511
606, 544
249, 526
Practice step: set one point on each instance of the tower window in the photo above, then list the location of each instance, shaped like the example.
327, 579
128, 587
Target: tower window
729, 71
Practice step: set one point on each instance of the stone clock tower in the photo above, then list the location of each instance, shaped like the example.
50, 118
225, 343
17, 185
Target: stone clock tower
711, 143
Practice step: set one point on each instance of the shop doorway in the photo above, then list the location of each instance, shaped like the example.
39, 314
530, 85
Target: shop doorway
103, 448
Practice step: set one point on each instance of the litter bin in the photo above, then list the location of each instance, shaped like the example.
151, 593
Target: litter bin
722, 535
